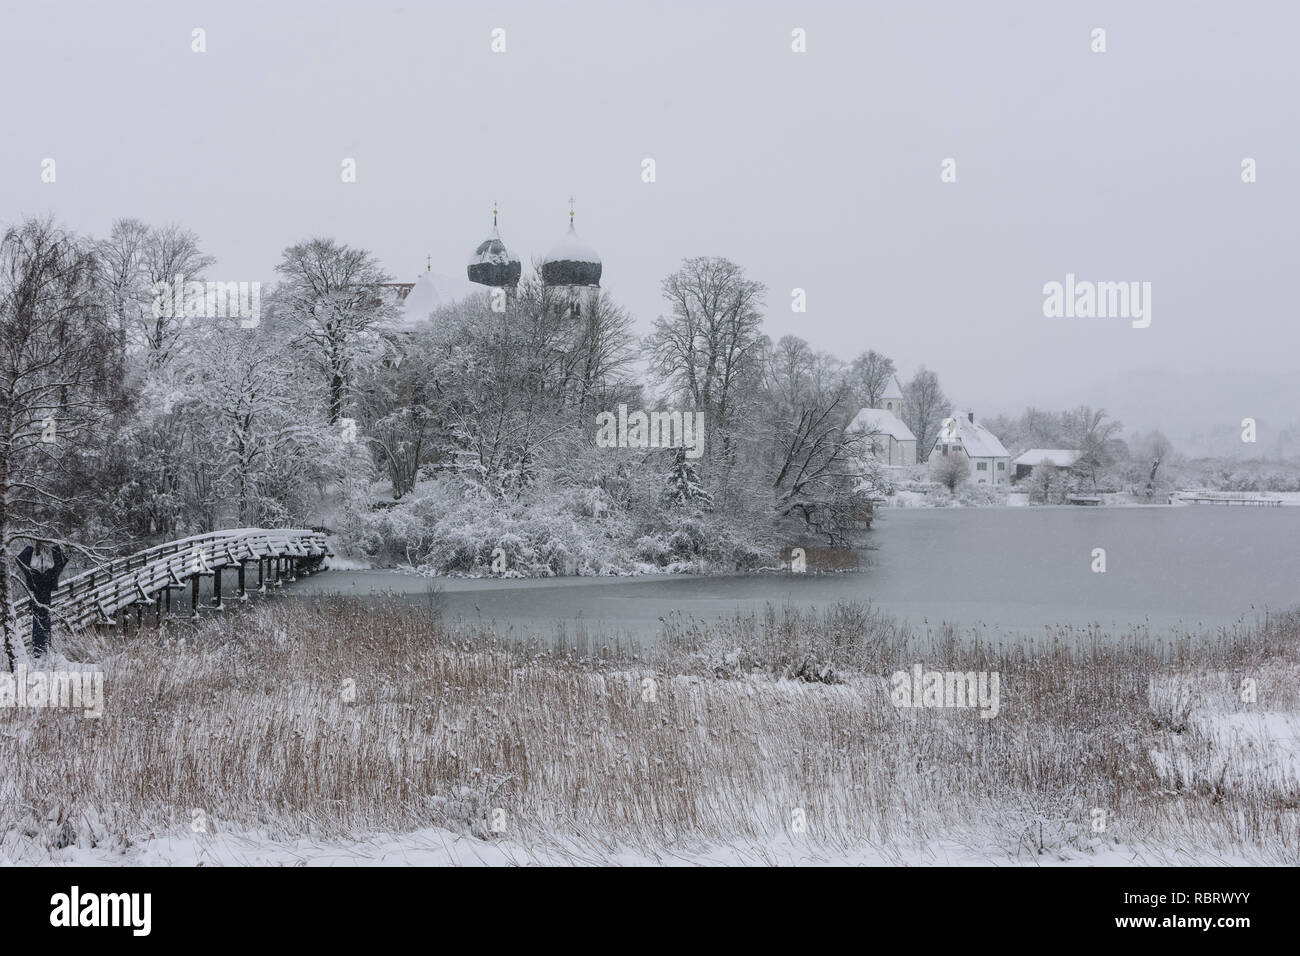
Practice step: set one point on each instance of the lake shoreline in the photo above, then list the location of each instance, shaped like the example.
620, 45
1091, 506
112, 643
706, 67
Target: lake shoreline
1017, 570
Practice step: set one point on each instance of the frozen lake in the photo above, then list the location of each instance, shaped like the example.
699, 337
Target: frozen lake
1016, 570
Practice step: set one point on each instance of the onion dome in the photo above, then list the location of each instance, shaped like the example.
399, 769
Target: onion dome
492, 263
569, 262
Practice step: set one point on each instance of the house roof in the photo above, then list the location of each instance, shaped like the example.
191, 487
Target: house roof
976, 440
1060, 457
876, 421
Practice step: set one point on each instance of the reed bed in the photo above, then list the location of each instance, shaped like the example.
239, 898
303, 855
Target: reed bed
346, 717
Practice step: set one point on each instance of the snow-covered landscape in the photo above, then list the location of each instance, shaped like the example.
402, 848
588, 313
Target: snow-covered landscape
577, 435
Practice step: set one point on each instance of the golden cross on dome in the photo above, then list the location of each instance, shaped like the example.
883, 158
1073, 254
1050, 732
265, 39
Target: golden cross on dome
571, 210
428, 263
494, 214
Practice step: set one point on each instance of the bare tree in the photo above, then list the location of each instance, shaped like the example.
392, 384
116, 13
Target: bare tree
122, 273
822, 472
951, 470
57, 364
493, 385
133, 260
330, 294
1091, 429
596, 353
924, 407
712, 344
1153, 449
870, 374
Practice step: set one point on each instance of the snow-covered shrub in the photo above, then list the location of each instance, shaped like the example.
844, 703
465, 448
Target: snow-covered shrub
464, 810
980, 496
687, 537
652, 549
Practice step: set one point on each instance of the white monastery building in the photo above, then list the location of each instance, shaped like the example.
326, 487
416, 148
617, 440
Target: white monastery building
989, 460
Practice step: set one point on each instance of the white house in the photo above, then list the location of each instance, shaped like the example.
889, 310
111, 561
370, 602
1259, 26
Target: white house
965, 436
1060, 457
892, 441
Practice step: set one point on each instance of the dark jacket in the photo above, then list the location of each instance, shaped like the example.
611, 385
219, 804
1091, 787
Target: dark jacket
41, 584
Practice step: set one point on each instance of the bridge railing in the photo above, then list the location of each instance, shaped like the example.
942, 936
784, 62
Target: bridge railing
98, 594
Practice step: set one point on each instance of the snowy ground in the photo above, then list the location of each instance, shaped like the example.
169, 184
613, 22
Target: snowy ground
435, 847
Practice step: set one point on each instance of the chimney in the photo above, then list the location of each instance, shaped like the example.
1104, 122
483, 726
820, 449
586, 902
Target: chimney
970, 417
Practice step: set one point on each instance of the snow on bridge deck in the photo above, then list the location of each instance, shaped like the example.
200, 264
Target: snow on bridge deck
142, 578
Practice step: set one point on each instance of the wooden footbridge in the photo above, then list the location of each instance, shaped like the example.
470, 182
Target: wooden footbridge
1244, 498
147, 579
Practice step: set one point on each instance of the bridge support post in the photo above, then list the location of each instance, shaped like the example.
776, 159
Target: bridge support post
194, 596
243, 595
216, 588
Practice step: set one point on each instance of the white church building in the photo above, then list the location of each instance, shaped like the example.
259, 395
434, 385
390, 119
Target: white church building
892, 442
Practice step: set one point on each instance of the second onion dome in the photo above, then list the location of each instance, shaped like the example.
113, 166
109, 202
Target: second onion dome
569, 262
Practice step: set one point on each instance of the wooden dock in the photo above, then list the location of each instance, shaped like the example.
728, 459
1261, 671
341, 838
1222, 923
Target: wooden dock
1244, 498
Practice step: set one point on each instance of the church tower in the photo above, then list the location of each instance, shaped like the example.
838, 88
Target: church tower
492, 264
571, 274
892, 400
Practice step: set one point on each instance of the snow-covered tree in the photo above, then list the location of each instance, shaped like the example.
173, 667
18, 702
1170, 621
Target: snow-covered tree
1046, 484
925, 406
58, 369
870, 376
712, 346
331, 294
133, 259
683, 487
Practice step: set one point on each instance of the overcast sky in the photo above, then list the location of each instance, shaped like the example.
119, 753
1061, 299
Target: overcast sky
818, 170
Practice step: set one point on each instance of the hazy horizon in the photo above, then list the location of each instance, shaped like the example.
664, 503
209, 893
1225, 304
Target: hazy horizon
816, 170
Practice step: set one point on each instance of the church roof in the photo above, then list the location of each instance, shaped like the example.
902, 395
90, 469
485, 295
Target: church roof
892, 389
876, 421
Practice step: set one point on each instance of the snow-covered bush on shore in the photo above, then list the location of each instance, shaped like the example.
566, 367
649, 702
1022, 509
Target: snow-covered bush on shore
929, 494
549, 531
